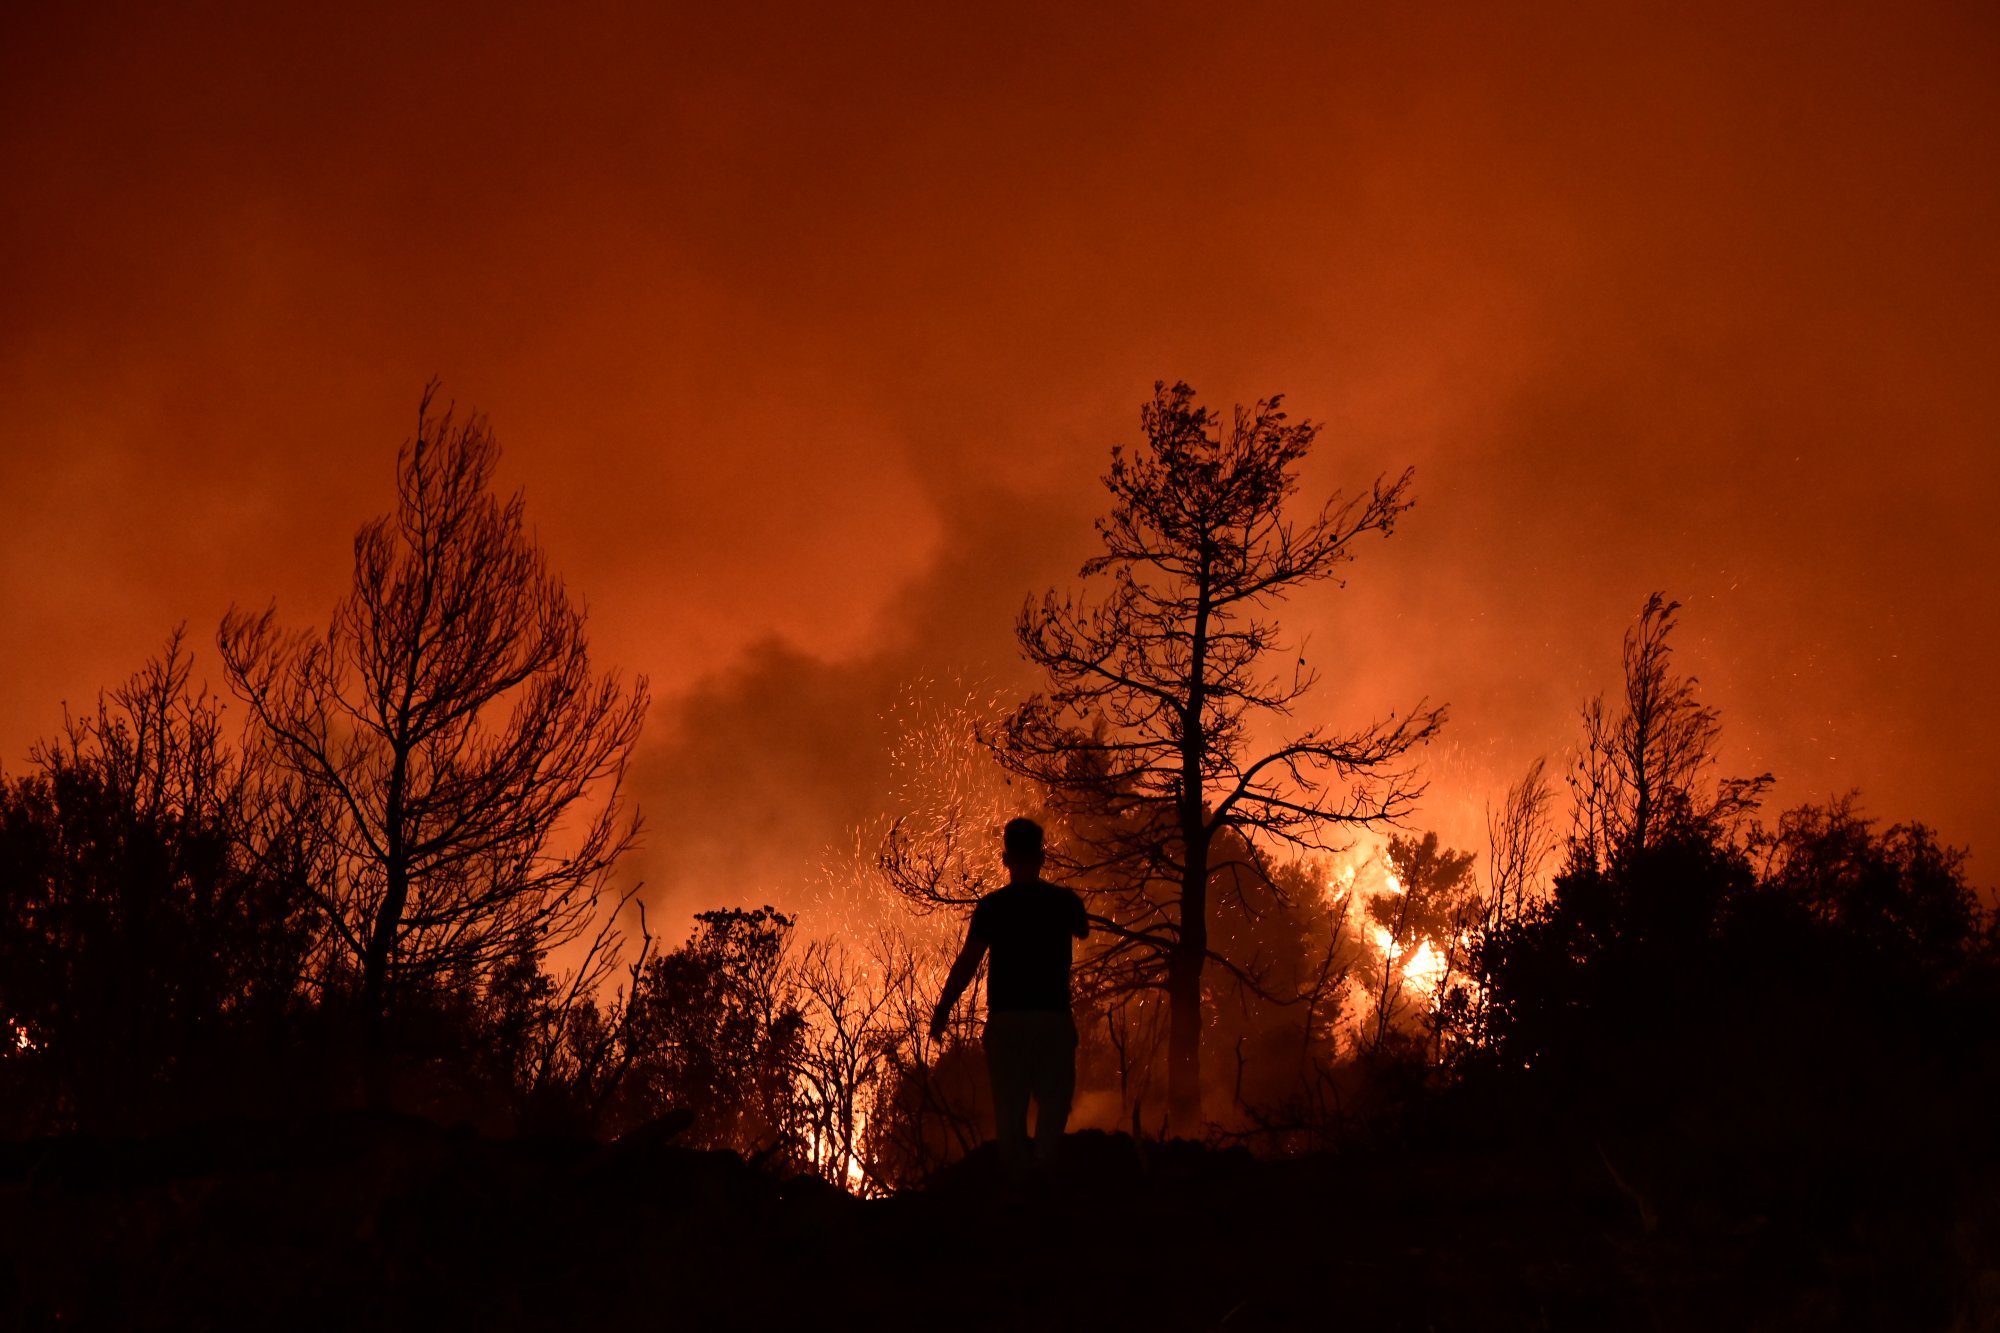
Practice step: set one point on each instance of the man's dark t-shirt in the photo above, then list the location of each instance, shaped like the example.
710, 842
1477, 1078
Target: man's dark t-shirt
1028, 929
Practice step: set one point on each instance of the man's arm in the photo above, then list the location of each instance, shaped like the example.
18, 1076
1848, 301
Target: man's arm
962, 971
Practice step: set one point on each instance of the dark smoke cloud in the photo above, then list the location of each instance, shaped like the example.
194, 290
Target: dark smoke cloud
764, 774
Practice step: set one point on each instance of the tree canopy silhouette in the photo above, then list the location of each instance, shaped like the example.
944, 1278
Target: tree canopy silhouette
153, 925
1678, 928
1145, 736
447, 729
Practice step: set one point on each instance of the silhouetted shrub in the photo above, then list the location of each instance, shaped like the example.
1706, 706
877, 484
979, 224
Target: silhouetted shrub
154, 928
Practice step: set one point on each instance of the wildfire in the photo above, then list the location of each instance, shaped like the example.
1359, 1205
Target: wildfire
1418, 963
850, 1164
1423, 965
841, 1162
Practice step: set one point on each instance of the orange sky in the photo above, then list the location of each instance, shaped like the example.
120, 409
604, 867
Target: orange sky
807, 335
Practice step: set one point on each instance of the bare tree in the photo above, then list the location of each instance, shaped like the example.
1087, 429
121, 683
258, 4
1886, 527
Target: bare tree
448, 728
1642, 776
1144, 738
563, 1047
925, 1111
849, 1047
1518, 843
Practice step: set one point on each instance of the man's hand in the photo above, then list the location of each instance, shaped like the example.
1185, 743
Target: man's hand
962, 970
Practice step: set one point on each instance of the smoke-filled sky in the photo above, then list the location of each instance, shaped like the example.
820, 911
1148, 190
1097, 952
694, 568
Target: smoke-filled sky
807, 330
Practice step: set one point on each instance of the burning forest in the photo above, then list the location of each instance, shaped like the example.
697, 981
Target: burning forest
884, 806
394, 908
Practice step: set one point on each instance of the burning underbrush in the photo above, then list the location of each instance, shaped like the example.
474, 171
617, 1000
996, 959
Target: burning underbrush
1356, 975
1333, 978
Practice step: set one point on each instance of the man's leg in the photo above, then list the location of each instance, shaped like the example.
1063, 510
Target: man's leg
1009, 1068
1055, 1082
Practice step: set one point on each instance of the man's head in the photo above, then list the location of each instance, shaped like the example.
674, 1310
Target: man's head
1021, 848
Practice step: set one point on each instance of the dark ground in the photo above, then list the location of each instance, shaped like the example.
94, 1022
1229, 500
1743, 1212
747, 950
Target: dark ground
384, 1222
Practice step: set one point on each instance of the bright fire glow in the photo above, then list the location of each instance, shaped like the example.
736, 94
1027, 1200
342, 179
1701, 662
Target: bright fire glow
1423, 966
1420, 964
842, 1165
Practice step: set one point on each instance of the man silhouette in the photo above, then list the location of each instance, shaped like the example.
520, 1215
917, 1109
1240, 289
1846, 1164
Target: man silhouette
1030, 1036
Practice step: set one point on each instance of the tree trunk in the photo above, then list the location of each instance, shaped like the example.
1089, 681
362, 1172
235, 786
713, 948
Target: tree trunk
1190, 951
381, 944
1184, 1007
1184, 1039
395, 896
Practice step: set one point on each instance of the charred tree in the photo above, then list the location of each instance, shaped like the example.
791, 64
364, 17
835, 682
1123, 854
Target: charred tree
1143, 739
447, 730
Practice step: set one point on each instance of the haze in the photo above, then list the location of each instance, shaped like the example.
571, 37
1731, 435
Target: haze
807, 332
